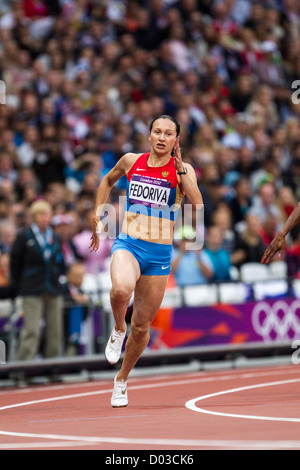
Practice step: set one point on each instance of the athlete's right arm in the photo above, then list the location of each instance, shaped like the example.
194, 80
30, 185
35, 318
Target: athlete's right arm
106, 185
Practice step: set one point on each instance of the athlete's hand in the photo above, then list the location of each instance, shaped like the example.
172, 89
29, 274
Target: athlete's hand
276, 246
96, 229
177, 156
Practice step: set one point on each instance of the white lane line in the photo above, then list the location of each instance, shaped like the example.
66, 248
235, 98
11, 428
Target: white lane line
191, 404
189, 443
43, 445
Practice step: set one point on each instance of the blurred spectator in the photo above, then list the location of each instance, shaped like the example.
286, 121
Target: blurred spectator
242, 92
269, 227
190, 266
241, 201
76, 307
63, 226
7, 167
28, 149
7, 235
211, 189
270, 70
219, 257
265, 204
249, 245
35, 257
291, 177
262, 104
222, 217
286, 202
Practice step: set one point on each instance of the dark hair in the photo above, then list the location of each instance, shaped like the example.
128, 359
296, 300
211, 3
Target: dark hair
166, 116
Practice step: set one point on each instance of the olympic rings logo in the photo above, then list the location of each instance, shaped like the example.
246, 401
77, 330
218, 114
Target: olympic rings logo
280, 321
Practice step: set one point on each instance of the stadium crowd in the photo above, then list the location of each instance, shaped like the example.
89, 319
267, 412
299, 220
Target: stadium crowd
84, 78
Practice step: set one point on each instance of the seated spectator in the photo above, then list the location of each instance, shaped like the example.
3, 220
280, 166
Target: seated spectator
291, 176
268, 229
211, 189
270, 71
190, 266
220, 258
286, 202
223, 219
241, 201
265, 203
263, 99
7, 235
249, 245
242, 92
8, 169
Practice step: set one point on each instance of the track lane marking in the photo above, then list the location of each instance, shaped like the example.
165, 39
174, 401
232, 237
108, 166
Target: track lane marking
191, 404
189, 443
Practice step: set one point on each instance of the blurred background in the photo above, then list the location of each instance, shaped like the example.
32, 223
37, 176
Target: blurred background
83, 79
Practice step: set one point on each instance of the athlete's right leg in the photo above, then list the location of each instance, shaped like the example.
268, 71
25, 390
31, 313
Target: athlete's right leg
125, 272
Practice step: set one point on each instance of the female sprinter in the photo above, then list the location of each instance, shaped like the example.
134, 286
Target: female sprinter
141, 254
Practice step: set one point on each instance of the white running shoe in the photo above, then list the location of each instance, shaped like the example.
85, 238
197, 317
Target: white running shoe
119, 396
114, 346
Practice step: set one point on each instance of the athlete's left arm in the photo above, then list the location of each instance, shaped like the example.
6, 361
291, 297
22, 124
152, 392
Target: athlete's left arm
189, 185
188, 180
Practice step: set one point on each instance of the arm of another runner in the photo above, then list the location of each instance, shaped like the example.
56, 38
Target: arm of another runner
278, 243
188, 179
106, 185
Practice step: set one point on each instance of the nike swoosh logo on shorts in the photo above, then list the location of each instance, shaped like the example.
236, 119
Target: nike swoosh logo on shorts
165, 267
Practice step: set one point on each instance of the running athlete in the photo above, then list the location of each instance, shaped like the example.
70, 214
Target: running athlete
141, 254
277, 245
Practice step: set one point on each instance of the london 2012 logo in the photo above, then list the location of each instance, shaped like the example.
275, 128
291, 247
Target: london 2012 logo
2, 352
279, 321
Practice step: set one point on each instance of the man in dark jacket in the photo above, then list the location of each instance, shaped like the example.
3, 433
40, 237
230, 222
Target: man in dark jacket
36, 259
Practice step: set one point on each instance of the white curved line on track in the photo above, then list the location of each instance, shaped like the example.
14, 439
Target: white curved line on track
191, 404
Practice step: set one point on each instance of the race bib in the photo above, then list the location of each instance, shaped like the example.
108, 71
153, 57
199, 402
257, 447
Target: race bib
149, 191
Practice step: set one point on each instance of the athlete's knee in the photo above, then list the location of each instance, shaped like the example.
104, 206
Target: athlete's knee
139, 331
121, 292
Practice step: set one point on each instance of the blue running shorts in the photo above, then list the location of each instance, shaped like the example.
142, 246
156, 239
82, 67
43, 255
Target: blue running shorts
154, 258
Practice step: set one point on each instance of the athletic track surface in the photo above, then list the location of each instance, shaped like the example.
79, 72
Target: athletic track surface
249, 409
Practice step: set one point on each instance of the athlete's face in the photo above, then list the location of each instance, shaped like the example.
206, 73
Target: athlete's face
163, 136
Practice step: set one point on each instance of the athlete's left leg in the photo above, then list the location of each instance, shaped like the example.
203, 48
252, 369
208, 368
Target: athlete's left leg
148, 296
